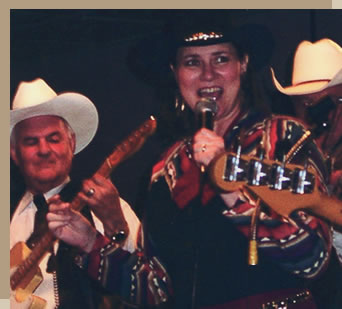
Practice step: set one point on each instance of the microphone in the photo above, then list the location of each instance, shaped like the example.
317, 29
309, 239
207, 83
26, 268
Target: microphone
205, 111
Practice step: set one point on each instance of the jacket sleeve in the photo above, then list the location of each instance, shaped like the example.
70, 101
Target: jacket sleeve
137, 277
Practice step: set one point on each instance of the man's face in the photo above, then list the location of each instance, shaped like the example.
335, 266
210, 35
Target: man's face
43, 151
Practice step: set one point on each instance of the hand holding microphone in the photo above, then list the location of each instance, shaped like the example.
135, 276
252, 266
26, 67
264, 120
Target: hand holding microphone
206, 143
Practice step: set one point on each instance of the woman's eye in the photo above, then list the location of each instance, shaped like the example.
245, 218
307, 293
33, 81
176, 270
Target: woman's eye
222, 59
191, 62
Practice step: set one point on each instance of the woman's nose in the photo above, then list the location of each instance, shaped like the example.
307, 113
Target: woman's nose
208, 72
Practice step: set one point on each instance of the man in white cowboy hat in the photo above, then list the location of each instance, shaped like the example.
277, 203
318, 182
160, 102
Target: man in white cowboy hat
46, 131
317, 74
316, 92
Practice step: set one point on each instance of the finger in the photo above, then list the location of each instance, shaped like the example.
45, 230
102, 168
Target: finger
56, 199
94, 190
58, 217
205, 132
216, 142
87, 184
59, 207
99, 180
57, 227
207, 139
89, 200
208, 147
104, 185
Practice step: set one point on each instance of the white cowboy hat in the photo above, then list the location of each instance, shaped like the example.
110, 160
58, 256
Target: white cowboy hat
36, 98
316, 66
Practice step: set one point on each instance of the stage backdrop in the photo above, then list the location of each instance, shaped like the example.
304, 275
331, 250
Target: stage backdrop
85, 51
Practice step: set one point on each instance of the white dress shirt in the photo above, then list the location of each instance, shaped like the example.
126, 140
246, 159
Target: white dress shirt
22, 225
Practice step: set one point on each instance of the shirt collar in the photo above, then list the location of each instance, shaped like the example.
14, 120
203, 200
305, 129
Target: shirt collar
27, 199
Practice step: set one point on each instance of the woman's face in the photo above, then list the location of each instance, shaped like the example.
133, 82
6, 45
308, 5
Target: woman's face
212, 71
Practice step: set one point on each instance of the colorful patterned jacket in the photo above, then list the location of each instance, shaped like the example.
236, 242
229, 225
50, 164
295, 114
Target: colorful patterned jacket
203, 244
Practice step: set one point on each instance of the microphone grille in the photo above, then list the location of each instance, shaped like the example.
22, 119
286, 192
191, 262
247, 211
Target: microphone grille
206, 105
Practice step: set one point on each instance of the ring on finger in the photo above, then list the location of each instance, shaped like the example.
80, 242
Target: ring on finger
90, 192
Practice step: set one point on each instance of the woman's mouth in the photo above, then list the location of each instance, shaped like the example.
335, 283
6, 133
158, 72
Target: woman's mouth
210, 92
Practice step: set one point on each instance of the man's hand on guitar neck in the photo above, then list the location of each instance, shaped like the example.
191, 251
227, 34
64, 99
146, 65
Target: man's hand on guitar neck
69, 225
104, 200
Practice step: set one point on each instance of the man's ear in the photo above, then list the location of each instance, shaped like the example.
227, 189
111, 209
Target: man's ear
244, 63
13, 153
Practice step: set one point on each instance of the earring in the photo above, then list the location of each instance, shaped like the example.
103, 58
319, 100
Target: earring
179, 103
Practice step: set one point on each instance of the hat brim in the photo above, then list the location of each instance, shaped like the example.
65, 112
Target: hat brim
150, 58
309, 87
76, 109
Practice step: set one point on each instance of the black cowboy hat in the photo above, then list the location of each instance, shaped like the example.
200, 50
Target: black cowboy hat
151, 57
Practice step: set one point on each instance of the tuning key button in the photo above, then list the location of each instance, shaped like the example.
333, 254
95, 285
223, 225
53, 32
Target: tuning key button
279, 177
256, 174
235, 168
302, 181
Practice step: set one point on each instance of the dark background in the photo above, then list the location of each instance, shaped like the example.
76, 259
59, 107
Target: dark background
85, 51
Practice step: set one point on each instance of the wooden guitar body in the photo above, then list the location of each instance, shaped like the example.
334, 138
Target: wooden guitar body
30, 281
294, 188
24, 262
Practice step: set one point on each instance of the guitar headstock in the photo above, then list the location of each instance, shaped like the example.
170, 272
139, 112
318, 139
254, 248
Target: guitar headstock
284, 188
230, 171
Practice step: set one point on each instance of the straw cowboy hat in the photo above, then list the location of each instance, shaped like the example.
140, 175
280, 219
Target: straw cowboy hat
316, 66
36, 98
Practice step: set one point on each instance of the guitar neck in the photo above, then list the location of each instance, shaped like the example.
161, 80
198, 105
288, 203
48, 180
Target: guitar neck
120, 153
285, 203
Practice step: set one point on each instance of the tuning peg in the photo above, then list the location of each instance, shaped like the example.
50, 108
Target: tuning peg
279, 175
257, 170
261, 153
233, 171
302, 181
238, 150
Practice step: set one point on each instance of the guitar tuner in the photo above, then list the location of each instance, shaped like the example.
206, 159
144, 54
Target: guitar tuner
284, 190
235, 167
257, 172
302, 181
279, 177
231, 170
